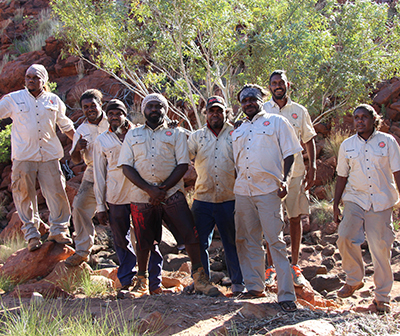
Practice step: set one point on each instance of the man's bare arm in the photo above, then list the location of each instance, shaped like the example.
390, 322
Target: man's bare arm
175, 176
287, 166
339, 188
70, 134
312, 167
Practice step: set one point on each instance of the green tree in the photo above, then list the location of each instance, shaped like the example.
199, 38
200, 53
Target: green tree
5, 144
188, 49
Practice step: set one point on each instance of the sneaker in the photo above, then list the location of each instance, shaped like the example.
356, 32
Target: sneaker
348, 290
61, 238
203, 285
75, 260
34, 244
141, 285
298, 279
270, 276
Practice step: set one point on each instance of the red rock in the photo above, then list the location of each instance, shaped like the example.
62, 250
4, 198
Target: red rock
76, 179
67, 66
322, 129
40, 197
24, 265
169, 282
306, 328
305, 223
385, 94
13, 229
153, 323
80, 168
325, 173
110, 273
393, 112
6, 171
260, 311
53, 47
385, 126
47, 289
6, 182
395, 130
330, 228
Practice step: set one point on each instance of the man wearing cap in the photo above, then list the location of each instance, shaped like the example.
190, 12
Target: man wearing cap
155, 158
113, 191
84, 205
296, 203
263, 150
214, 200
36, 151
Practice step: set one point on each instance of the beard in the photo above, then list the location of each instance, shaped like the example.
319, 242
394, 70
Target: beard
279, 96
155, 118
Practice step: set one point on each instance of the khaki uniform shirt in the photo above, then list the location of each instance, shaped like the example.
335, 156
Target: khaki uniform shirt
89, 132
214, 164
154, 154
369, 166
300, 120
33, 134
110, 184
259, 147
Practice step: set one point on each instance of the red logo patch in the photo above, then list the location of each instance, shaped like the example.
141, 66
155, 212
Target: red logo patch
294, 116
266, 123
168, 133
382, 144
230, 133
51, 102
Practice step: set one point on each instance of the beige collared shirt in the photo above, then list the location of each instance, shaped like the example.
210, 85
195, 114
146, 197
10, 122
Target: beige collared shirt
369, 166
110, 184
154, 154
214, 164
33, 134
259, 147
89, 132
300, 120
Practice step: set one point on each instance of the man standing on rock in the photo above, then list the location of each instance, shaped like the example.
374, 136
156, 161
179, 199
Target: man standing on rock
296, 203
36, 152
261, 145
214, 200
155, 158
368, 172
84, 205
113, 191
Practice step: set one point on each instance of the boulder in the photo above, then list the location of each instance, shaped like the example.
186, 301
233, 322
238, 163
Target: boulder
306, 328
24, 265
325, 173
384, 95
328, 250
13, 229
328, 282
172, 262
169, 282
260, 311
46, 289
311, 271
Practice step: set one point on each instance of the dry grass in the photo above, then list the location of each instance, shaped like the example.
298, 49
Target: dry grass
334, 141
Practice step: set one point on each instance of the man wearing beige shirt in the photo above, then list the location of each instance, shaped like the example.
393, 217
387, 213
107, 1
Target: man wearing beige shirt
84, 205
36, 152
296, 203
113, 192
154, 158
368, 172
214, 200
263, 149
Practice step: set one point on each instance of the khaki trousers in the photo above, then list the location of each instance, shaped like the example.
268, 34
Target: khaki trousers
52, 184
378, 228
84, 208
255, 216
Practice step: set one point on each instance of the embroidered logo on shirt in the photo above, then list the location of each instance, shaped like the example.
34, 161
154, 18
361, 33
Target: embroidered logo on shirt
382, 144
230, 133
294, 115
266, 123
51, 101
168, 133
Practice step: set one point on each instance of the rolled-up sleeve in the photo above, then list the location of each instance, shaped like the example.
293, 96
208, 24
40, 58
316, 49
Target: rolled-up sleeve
394, 155
6, 107
192, 145
287, 139
64, 123
181, 149
126, 156
343, 167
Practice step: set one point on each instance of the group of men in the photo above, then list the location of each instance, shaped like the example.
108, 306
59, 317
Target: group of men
245, 177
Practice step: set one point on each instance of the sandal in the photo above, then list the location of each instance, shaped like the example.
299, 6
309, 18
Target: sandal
288, 306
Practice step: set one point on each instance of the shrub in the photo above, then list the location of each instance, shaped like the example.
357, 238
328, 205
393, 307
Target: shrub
5, 144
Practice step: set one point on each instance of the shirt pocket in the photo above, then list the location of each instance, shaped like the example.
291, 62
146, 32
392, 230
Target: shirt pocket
354, 160
380, 157
262, 137
138, 145
112, 155
51, 111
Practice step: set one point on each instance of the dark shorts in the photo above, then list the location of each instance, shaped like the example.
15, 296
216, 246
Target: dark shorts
147, 221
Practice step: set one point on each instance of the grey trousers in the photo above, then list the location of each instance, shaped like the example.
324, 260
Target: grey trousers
255, 216
378, 228
52, 184
84, 208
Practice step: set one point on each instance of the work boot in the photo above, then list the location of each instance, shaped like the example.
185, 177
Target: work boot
157, 291
61, 238
75, 260
348, 290
382, 307
141, 285
203, 285
270, 275
298, 278
34, 244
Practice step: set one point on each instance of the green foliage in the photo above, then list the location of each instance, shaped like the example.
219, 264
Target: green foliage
92, 288
321, 212
52, 86
11, 246
5, 144
189, 49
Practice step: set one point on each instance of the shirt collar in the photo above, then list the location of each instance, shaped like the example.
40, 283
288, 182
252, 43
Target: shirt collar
258, 115
225, 125
164, 124
370, 137
32, 96
273, 103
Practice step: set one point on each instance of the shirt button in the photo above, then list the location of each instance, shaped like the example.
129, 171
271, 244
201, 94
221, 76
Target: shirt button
366, 150
247, 158
152, 174
371, 186
152, 147
216, 148
247, 147
248, 176
367, 159
215, 166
